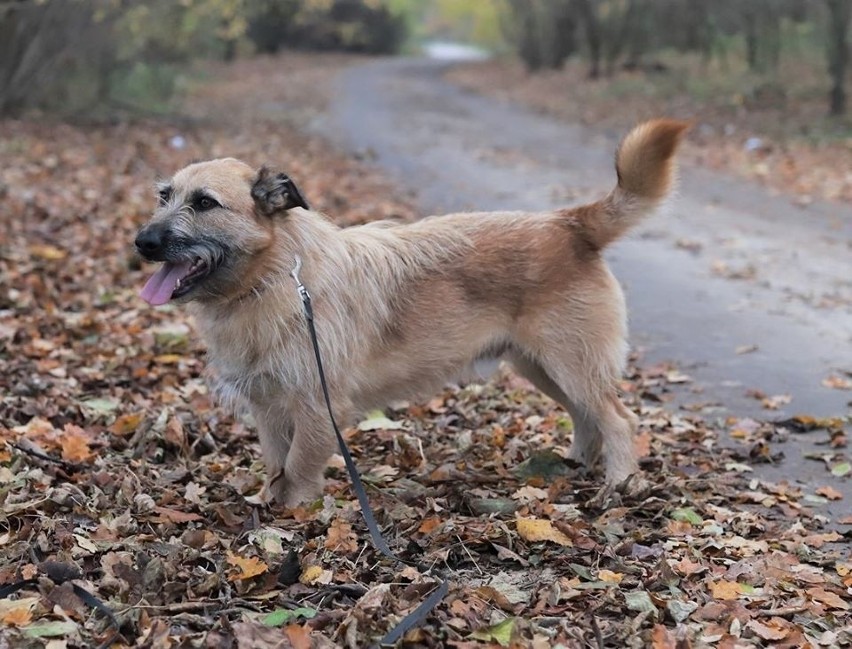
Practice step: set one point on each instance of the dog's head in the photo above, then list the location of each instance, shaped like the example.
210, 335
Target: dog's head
213, 220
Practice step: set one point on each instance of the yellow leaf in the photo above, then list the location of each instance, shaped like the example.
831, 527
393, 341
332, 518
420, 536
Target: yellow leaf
126, 424
47, 252
311, 574
725, 589
610, 577
538, 529
17, 612
168, 359
248, 567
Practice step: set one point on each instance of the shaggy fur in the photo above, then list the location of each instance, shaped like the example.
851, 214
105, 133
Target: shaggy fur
401, 309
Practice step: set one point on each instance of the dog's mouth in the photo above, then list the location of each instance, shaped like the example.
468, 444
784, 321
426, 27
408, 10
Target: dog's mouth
175, 279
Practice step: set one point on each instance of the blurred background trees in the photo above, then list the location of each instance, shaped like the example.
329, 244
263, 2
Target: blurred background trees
78, 53
632, 35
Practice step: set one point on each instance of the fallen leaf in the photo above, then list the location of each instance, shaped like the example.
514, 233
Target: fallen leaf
767, 632
610, 577
299, 636
640, 601
830, 492
247, 567
75, 445
642, 444
830, 599
17, 612
726, 590
282, 616
538, 529
51, 253
175, 516
842, 469
429, 525
837, 382
376, 420
50, 629
313, 574
662, 638
500, 633
341, 538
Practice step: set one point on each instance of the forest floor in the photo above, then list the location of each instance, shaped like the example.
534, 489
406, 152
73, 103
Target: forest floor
775, 132
121, 479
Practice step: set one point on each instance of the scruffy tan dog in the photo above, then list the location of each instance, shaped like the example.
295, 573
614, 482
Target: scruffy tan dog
401, 309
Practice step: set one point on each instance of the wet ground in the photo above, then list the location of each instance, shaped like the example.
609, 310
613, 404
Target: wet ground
740, 289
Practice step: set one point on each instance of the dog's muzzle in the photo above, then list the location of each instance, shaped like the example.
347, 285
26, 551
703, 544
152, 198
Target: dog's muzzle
152, 240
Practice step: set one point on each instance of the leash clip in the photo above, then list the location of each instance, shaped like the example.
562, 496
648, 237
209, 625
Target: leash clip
303, 291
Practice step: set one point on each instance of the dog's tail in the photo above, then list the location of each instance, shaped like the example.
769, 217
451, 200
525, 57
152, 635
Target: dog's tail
645, 167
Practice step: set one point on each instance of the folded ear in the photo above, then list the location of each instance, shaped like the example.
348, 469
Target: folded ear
275, 192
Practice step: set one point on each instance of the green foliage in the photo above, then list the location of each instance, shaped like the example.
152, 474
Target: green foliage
80, 54
366, 26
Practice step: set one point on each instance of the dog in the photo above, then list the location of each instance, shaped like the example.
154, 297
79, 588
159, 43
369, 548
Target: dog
401, 308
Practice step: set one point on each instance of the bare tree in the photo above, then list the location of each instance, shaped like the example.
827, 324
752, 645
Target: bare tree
592, 28
840, 12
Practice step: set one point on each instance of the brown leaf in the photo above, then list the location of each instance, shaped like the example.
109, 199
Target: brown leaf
429, 525
829, 492
830, 599
341, 538
662, 638
727, 590
766, 631
642, 444
175, 516
75, 445
299, 636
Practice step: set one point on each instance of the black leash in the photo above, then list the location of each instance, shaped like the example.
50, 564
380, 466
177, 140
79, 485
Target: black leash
85, 596
417, 615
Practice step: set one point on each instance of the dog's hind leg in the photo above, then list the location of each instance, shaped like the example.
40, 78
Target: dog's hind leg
603, 426
586, 446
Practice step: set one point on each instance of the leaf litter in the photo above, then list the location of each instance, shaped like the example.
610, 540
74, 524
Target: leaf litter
118, 473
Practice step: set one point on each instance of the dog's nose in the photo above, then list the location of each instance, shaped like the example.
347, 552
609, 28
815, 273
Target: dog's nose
151, 241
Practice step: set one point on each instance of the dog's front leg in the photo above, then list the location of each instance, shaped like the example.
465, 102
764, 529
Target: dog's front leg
275, 430
311, 444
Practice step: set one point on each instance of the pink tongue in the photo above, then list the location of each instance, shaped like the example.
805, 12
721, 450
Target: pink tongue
162, 284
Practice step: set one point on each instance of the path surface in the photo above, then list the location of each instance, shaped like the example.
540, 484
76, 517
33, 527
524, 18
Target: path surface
460, 151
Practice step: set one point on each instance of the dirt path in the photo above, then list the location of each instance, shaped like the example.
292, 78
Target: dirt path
726, 268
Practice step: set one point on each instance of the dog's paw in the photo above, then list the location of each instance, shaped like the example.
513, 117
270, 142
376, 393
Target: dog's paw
291, 494
635, 486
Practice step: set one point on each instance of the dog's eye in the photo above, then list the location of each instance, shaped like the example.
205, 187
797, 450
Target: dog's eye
206, 203
165, 194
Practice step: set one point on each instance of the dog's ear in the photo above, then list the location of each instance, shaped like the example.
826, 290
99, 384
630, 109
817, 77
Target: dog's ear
275, 192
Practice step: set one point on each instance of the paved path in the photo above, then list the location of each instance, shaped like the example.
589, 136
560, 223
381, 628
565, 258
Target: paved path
460, 151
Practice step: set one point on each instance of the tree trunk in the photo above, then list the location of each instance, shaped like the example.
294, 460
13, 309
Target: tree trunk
593, 35
840, 12
750, 28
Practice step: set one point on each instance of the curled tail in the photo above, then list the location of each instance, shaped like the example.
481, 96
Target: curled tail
645, 167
